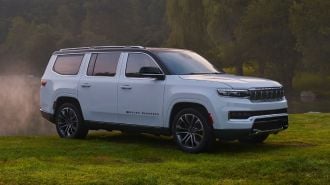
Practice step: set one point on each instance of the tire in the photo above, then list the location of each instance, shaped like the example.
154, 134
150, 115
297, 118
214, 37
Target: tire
69, 122
191, 131
254, 139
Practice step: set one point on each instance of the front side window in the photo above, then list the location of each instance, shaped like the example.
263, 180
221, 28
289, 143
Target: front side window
103, 64
68, 64
137, 62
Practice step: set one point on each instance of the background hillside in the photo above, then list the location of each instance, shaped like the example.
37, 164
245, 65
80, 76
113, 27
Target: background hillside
285, 40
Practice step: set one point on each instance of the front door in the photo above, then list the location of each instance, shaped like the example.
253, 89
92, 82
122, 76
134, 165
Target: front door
140, 99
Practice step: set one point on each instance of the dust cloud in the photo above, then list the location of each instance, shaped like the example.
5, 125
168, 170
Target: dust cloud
19, 107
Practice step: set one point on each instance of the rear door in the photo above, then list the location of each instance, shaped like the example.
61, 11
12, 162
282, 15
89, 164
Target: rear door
140, 99
97, 89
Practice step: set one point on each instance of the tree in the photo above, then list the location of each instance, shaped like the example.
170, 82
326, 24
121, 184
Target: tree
310, 23
113, 22
266, 37
18, 33
223, 21
42, 43
68, 23
187, 26
148, 18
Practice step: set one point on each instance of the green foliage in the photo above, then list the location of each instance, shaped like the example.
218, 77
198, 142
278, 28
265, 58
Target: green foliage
266, 37
310, 22
30, 30
125, 22
223, 22
186, 20
305, 81
299, 155
16, 40
286, 36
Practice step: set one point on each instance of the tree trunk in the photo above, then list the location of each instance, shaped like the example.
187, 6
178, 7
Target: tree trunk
262, 67
239, 69
287, 83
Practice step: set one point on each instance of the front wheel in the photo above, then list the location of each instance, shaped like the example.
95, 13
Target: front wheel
69, 122
191, 131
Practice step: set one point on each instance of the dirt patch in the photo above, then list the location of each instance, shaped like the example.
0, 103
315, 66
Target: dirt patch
19, 107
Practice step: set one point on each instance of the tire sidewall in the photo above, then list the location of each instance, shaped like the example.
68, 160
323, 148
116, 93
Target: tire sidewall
81, 130
208, 131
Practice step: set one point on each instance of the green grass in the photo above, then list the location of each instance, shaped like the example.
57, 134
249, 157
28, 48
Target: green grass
300, 155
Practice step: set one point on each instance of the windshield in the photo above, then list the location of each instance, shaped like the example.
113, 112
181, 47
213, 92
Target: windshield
184, 62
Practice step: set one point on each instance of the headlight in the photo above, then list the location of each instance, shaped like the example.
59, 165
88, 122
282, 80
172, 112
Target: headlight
237, 93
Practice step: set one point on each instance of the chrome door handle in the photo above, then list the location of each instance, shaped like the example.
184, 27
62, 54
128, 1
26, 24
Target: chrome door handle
85, 85
126, 87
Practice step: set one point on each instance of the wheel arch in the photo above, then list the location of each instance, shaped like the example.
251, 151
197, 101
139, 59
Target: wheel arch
178, 106
67, 99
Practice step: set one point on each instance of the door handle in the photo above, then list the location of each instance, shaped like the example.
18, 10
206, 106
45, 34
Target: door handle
126, 87
85, 85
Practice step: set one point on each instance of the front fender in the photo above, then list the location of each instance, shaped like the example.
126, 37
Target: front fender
187, 98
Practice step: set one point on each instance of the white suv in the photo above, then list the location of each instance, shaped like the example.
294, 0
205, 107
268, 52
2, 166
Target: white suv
160, 91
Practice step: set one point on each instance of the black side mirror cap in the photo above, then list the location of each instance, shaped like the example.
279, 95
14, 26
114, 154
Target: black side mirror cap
152, 72
156, 76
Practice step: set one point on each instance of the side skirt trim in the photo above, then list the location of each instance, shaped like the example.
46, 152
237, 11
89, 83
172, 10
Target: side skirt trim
94, 125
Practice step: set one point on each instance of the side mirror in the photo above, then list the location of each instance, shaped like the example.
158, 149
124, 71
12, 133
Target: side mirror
152, 72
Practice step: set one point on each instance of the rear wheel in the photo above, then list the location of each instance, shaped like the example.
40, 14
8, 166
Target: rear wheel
191, 131
69, 122
254, 139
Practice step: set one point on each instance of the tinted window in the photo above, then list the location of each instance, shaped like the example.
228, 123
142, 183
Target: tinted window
103, 64
184, 62
68, 64
136, 61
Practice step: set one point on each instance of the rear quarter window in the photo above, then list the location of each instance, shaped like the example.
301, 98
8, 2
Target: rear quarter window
68, 64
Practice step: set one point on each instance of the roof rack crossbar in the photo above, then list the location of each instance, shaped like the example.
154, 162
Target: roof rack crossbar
105, 47
139, 47
72, 49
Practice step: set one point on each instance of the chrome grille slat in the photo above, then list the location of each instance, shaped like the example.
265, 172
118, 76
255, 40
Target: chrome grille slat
266, 94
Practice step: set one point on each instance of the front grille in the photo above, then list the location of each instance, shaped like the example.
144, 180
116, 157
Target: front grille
247, 114
264, 124
267, 94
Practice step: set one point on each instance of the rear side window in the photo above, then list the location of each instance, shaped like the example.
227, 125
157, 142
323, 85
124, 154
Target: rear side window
103, 64
68, 64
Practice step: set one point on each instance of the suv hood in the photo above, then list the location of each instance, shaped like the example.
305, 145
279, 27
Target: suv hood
233, 81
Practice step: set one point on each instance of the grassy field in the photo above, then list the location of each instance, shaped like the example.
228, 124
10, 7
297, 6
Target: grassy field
300, 155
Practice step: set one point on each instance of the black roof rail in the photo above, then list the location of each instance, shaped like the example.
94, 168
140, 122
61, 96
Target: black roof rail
100, 47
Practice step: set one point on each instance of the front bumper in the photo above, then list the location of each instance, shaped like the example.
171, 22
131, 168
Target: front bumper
268, 125
224, 111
